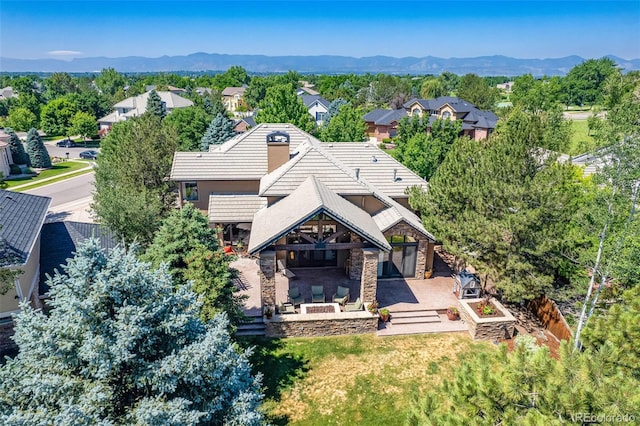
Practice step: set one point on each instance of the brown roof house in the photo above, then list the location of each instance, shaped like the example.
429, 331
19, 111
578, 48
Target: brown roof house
296, 202
233, 97
476, 123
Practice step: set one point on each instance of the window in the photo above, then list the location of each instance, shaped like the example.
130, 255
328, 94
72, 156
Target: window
191, 191
320, 116
416, 112
446, 115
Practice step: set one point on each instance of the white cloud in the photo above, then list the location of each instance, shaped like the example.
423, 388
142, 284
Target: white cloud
64, 53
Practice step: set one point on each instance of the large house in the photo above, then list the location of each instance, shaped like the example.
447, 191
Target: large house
21, 220
476, 123
233, 97
294, 201
137, 105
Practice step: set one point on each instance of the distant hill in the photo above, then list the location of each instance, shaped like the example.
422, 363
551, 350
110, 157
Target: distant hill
482, 65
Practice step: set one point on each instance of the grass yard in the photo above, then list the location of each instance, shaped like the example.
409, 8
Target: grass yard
57, 169
348, 380
581, 141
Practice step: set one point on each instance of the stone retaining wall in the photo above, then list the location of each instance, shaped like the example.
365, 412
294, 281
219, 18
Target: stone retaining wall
490, 328
311, 325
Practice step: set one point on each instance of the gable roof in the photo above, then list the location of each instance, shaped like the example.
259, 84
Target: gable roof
312, 160
232, 91
377, 167
225, 208
60, 240
243, 157
309, 100
309, 199
384, 117
21, 219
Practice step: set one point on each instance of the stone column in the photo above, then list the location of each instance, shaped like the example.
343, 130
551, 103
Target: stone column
268, 277
369, 279
355, 260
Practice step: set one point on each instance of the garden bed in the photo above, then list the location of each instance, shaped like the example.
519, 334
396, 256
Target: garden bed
486, 309
500, 325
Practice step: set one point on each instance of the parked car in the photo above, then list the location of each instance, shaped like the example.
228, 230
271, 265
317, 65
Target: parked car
66, 143
89, 155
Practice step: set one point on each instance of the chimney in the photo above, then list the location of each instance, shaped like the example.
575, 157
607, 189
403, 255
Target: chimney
277, 150
357, 172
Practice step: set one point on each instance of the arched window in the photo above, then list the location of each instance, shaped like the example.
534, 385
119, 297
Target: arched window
415, 111
446, 115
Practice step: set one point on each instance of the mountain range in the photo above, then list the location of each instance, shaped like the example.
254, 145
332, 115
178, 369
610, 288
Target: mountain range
326, 64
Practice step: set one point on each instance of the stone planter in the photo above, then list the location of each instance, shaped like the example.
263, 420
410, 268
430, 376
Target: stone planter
489, 328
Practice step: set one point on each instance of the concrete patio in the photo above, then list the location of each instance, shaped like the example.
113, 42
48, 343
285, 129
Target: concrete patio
398, 295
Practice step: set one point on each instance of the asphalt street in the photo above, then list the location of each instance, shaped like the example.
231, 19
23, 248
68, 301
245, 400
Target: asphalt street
68, 190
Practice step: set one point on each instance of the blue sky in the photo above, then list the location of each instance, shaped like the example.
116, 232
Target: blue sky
521, 29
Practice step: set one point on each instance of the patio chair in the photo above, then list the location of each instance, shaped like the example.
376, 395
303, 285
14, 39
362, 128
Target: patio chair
341, 295
295, 296
353, 307
317, 294
286, 308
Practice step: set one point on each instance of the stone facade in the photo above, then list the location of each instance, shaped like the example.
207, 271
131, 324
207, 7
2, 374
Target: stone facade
309, 325
424, 255
355, 260
369, 278
492, 328
267, 274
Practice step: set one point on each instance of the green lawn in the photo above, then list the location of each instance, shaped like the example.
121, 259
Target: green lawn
345, 380
57, 169
581, 141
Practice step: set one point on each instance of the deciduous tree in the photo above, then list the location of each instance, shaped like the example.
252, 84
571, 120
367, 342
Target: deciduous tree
22, 119
132, 191
476, 90
281, 105
83, 124
139, 354
56, 116
191, 124
346, 126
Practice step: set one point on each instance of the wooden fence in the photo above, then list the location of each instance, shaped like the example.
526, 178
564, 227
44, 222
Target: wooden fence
548, 313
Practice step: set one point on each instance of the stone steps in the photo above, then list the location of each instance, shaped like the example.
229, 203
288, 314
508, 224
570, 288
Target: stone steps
414, 320
253, 327
418, 322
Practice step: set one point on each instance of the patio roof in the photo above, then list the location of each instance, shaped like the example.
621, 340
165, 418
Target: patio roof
309, 199
232, 208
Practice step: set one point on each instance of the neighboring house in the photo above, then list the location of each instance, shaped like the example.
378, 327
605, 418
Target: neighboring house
505, 87
317, 107
137, 105
7, 92
172, 89
293, 200
232, 97
21, 219
5, 154
60, 241
476, 123
243, 124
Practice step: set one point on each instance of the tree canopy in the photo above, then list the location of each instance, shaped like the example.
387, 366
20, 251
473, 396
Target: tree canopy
346, 126
476, 90
140, 354
132, 191
282, 105
219, 131
191, 124
155, 106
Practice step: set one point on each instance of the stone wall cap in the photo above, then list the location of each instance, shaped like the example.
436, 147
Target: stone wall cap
316, 317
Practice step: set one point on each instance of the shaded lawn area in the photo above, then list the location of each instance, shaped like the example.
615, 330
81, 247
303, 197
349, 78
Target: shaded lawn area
581, 141
360, 379
55, 170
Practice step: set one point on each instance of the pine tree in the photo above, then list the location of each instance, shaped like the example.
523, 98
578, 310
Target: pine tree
155, 106
334, 107
219, 131
18, 153
189, 247
123, 345
37, 152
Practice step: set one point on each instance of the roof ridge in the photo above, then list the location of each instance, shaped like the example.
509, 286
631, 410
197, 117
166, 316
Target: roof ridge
284, 168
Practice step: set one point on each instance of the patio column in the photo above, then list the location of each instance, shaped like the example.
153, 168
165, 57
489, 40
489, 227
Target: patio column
422, 258
355, 260
268, 277
369, 279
